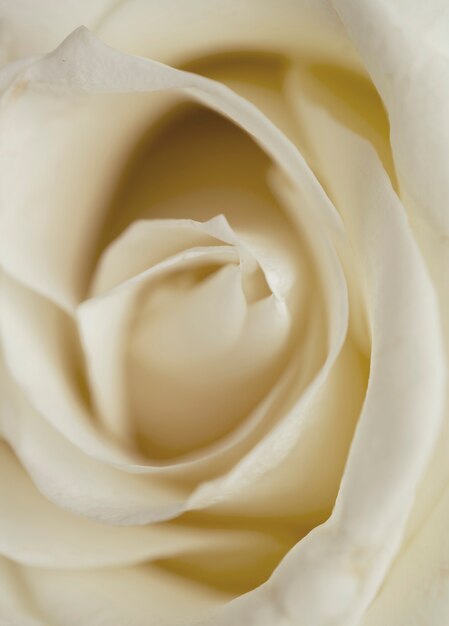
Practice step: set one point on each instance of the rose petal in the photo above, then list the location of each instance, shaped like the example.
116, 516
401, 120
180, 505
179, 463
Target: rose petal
416, 588
75, 481
84, 485
18, 607
117, 596
82, 136
352, 551
404, 47
140, 27
56, 268
146, 243
62, 540
41, 353
276, 145
188, 364
26, 31
106, 350
285, 437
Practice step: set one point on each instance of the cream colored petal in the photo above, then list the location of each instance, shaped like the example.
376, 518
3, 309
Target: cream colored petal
345, 559
63, 472
275, 144
32, 247
104, 330
104, 324
135, 596
199, 350
204, 323
148, 242
283, 438
9, 72
57, 539
239, 110
25, 31
37, 215
198, 366
75, 481
41, 353
141, 26
252, 120
74, 474
404, 47
316, 454
17, 605
416, 589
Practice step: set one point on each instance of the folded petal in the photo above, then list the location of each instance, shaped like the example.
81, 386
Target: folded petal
140, 27
17, 607
135, 596
352, 551
310, 379
57, 539
60, 268
26, 31
106, 351
146, 243
404, 47
416, 589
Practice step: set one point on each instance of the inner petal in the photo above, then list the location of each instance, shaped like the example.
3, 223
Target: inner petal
195, 164
200, 359
148, 242
218, 169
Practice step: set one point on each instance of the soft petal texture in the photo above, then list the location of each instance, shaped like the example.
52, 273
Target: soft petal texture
55, 269
42, 358
25, 31
112, 312
82, 478
355, 538
345, 559
138, 26
113, 597
148, 242
57, 539
286, 439
61, 266
17, 607
237, 361
177, 331
75, 481
16, 259
404, 47
415, 591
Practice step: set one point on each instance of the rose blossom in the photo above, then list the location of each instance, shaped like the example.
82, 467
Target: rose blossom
224, 303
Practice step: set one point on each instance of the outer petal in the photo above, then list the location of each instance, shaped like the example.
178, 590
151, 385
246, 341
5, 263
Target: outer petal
416, 590
27, 30
55, 268
17, 606
200, 28
57, 539
124, 498
405, 47
135, 596
175, 29
350, 553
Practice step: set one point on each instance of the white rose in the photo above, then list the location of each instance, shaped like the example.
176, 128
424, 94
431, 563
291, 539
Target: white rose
224, 308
